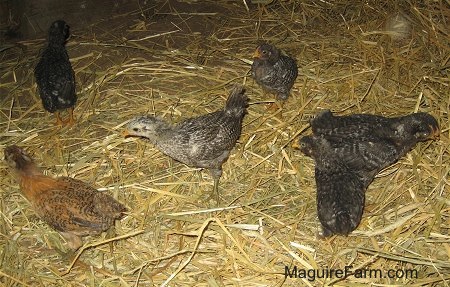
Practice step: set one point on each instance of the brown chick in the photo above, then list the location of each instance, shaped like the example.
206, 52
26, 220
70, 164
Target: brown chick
204, 141
70, 206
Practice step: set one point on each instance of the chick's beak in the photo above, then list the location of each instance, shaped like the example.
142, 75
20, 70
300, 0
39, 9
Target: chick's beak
257, 53
435, 134
125, 133
295, 144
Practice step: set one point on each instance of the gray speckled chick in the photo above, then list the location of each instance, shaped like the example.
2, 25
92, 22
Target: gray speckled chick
204, 141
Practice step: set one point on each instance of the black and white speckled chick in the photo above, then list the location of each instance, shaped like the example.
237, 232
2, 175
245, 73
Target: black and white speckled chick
54, 74
274, 72
340, 190
349, 151
403, 132
204, 141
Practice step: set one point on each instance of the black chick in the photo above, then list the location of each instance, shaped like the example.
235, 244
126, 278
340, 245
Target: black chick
340, 190
403, 132
273, 71
204, 141
365, 158
54, 74
354, 149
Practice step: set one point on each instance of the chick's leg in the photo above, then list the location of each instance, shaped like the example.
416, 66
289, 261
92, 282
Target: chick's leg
59, 121
73, 241
216, 189
71, 120
213, 197
277, 107
216, 174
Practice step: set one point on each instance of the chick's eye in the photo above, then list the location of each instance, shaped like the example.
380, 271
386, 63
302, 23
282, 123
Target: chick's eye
135, 129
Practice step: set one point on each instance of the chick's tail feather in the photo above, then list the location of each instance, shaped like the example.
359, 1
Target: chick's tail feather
344, 223
237, 101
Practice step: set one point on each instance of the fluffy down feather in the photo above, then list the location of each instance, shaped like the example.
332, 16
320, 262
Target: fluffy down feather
349, 151
273, 71
54, 74
204, 141
70, 206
